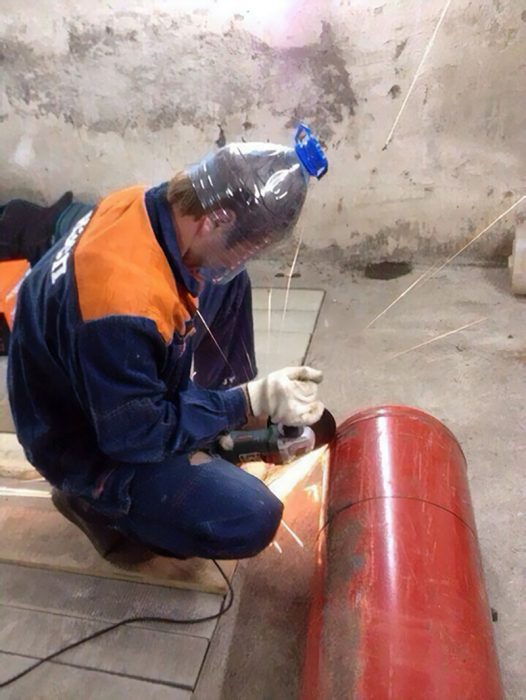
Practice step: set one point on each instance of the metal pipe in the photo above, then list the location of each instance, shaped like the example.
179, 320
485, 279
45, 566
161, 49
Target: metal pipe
399, 608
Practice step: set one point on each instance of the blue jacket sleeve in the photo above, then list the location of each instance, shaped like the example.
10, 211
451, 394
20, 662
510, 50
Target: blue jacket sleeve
120, 363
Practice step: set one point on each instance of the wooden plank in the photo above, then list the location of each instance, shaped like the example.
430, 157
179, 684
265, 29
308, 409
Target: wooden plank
35, 534
104, 599
6, 420
173, 658
280, 350
285, 344
294, 322
12, 459
298, 299
38, 482
53, 681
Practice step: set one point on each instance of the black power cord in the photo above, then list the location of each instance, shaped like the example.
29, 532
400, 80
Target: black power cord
225, 607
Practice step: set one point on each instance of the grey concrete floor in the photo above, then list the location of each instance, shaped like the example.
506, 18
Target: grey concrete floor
473, 381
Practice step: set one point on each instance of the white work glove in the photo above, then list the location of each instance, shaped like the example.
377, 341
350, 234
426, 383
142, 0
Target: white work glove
288, 396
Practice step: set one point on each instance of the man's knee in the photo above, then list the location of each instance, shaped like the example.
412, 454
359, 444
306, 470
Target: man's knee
263, 524
249, 527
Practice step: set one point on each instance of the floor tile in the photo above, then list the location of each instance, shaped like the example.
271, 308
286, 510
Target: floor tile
106, 600
56, 681
177, 658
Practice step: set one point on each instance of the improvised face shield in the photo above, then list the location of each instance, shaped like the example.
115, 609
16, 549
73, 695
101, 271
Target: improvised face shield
254, 193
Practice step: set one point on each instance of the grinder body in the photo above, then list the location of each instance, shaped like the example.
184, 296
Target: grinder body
276, 444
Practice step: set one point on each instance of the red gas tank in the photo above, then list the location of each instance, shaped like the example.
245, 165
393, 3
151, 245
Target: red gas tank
399, 609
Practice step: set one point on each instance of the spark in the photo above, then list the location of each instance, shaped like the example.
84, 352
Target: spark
314, 492
435, 269
417, 74
25, 493
478, 235
294, 473
289, 281
429, 272
292, 534
276, 545
253, 374
225, 358
438, 337
324, 490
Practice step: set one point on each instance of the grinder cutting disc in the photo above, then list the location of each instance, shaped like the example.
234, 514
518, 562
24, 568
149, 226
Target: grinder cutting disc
324, 429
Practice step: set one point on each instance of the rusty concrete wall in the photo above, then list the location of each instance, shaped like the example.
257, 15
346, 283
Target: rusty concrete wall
99, 95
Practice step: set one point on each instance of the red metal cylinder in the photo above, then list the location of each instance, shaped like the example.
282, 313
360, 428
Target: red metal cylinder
399, 608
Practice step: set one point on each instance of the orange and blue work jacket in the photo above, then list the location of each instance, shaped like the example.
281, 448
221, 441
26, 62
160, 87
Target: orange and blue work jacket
98, 374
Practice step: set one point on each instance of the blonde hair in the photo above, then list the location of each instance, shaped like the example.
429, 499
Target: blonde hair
181, 193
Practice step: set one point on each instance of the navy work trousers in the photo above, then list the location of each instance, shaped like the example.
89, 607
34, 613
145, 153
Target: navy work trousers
211, 509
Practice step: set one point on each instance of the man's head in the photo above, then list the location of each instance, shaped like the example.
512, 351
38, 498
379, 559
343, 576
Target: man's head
240, 200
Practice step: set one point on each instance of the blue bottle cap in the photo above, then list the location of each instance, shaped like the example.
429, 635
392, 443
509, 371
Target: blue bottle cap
310, 152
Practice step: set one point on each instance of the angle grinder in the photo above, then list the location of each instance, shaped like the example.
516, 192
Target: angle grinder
277, 443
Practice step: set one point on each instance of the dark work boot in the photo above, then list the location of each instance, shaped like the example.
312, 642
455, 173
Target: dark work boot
109, 543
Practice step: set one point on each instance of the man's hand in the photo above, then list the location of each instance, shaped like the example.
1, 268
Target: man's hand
288, 396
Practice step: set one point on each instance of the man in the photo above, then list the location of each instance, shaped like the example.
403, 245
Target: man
132, 350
